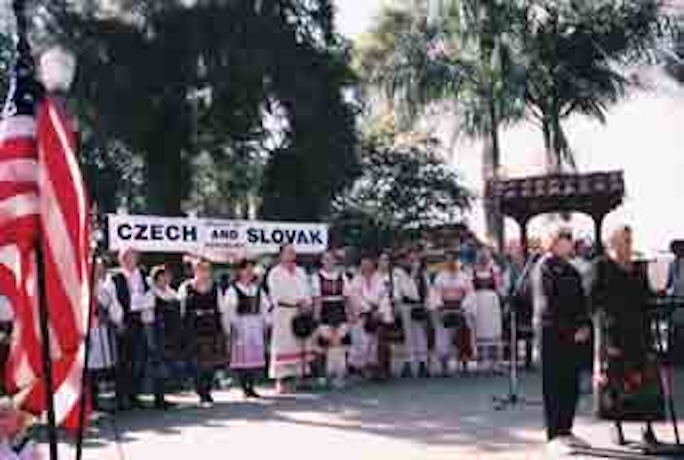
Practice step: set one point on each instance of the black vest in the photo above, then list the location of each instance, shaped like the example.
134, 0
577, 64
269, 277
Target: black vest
248, 305
123, 291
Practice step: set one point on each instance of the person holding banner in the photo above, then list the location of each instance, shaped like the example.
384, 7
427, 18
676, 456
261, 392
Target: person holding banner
330, 291
203, 310
130, 287
289, 288
247, 306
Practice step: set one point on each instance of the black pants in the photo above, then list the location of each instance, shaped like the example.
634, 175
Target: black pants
561, 366
247, 380
204, 383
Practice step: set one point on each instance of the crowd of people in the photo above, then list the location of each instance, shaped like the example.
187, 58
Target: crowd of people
387, 316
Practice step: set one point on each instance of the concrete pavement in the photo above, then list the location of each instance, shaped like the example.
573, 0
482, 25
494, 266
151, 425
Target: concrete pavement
415, 419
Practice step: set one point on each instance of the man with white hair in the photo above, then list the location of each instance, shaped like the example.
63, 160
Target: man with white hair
562, 316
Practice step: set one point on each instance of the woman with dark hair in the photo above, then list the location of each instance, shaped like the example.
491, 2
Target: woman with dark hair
247, 308
168, 324
366, 294
202, 309
331, 291
629, 380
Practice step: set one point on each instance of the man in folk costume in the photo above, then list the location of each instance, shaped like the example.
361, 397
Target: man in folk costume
108, 320
247, 316
330, 291
129, 285
290, 292
450, 288
368, 302
203, 310
399, 289
415, 316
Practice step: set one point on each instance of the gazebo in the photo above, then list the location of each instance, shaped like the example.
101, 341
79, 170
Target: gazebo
594, 194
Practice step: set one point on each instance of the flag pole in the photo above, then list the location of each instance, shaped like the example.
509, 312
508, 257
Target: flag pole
95, 249
24, 49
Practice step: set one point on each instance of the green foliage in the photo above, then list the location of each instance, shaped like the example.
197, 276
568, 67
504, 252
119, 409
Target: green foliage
576, 54
406, 185
175, 83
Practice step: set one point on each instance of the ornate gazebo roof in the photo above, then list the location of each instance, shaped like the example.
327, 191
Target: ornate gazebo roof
595, 194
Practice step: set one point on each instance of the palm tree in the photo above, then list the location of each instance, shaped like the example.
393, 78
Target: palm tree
462, 55
577, 56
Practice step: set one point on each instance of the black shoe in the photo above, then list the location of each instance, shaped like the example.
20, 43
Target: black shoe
648, 437
160, 403
618, 436
406, 373
250, 393
423, 371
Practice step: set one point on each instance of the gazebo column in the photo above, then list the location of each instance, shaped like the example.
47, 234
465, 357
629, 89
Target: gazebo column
524, 236
599, 219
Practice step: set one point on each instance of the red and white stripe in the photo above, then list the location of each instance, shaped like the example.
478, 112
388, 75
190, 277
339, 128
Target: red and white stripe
51, 198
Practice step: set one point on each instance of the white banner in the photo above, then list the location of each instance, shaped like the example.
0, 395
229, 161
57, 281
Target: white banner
193, 235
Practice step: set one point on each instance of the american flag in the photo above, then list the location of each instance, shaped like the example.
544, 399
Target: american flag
43, 201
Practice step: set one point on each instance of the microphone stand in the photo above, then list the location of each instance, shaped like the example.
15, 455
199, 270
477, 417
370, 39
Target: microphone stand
513, 398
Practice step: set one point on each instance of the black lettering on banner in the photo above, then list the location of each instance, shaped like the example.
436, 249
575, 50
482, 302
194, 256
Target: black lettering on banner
141, 232
277, 237
157, 232
252, 236
316, 238
189, 233
291, 236
302, 239
125, 232
173, 233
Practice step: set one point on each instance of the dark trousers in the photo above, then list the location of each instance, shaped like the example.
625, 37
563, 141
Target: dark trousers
247, 380
561, 366
204, 382
130, 370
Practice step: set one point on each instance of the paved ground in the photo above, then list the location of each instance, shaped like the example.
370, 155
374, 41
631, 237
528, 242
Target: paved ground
417, 419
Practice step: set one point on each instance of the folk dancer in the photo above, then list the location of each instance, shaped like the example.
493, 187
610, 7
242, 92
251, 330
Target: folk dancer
330, 292
629, 375
483, 307
248, 307
450, 287
290, 292
129, 285
168, 327
368, 307
416, 317
562, 314
401, 295
202, 309
108, 320
14, 441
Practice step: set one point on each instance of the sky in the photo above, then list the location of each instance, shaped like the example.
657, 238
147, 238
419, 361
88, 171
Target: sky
642, 136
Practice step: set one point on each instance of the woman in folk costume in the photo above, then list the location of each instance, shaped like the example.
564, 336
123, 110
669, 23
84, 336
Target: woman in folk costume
450, 287
366, 297
330, 291
108, 319
168, 324
629, 385
415, 316
288, 286
400, 294
202, 308
483, 308
248, 307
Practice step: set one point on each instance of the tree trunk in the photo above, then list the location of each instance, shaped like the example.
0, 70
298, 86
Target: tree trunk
491, 162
